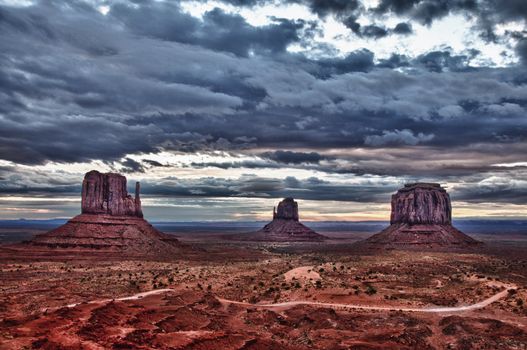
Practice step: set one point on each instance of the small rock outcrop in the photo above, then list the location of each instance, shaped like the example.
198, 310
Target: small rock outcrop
111, 221
421, 217
285, 226
107, 194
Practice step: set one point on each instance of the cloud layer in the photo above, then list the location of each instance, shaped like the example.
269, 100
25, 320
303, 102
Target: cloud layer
240, 108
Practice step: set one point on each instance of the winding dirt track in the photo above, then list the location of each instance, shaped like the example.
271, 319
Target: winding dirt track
289, 304
131, 297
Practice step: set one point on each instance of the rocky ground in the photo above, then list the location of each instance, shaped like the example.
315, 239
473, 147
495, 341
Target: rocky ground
191, 313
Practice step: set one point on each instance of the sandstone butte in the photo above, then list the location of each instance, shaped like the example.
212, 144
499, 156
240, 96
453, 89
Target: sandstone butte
110, 220
285, 226
421, 216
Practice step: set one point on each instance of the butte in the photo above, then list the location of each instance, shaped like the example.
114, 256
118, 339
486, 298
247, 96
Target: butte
421, 217
110, 221
285, 226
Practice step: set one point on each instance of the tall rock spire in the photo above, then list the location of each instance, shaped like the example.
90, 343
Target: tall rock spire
105, 193
138, 210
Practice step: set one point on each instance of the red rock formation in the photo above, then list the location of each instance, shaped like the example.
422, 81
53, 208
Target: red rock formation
103, 232
107, 194
111, 220
287, 210
421, 217
285, 226
421, 203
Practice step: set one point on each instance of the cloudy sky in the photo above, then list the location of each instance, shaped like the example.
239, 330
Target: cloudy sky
222, 107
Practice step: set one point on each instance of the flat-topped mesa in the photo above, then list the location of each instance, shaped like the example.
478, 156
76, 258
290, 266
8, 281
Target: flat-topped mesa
105, 193
421, 203
421, 218
287, 210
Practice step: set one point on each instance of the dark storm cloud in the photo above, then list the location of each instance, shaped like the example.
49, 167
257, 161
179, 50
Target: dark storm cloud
290, 157
429, 10
397, 137
356, 61
394, 61
521, 49
254, 186
15, 180
425, 11
154, 163
403, 28
77, 86
325, 7
132, 166
375, 31
511, 190
217, 30
488, 13
397, 6
437, 61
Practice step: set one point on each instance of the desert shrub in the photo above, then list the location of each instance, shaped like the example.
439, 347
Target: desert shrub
370, 290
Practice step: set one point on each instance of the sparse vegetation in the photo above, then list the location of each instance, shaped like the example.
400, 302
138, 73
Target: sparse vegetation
370, 290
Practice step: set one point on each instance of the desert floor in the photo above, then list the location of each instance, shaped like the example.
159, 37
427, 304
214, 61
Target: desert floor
224, 294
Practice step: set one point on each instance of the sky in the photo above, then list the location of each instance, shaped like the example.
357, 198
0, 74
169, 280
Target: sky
221, 108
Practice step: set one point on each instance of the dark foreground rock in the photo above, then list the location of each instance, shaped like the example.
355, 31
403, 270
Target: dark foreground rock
421, 217
285, 226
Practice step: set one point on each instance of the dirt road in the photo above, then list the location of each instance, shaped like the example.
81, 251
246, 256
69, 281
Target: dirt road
338, 306
289, 304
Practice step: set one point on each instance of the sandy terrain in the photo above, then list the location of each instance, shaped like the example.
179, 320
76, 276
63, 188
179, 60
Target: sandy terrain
302, 273
240, 295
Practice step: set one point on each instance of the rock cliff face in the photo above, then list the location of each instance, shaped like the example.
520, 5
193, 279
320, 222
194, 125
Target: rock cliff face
421, 203
421, 218
107, 194
285, 226
287, 210
111, 221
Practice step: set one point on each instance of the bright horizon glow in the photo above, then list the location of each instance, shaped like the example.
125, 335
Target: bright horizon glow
236, 209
